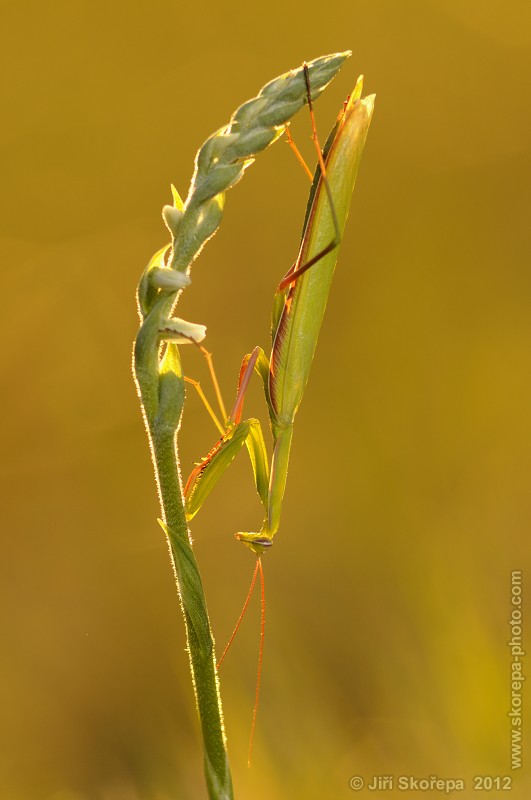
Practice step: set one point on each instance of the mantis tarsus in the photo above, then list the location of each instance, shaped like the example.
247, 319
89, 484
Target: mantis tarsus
298, 309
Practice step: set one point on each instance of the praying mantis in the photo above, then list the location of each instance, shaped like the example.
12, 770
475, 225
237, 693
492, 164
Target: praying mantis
298, 309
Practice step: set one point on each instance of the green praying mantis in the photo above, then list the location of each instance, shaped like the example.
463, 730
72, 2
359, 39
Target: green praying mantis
298, 310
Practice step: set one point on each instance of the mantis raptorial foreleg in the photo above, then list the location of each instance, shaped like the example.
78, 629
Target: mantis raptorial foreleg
207, 473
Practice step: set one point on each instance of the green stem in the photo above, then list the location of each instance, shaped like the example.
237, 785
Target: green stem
193, 604
161, 388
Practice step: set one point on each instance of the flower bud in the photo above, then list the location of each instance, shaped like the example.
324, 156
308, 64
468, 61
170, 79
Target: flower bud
172, 217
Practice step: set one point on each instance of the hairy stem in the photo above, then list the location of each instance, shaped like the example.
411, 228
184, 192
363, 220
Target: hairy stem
193, 604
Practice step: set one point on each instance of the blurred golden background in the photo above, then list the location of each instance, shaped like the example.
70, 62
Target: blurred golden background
408, 499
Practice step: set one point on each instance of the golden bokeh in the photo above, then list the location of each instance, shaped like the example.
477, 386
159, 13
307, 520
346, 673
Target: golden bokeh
408, 503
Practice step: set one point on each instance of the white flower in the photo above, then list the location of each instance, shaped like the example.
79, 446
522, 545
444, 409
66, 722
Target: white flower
170, 279
180, 331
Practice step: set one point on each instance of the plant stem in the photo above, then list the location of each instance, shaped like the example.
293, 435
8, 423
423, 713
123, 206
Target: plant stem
193, 604
162, 398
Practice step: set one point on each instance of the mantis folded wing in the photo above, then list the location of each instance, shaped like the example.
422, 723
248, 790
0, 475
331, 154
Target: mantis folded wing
298, 311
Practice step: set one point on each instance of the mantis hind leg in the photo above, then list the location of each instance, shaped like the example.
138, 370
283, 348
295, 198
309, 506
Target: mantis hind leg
296, 270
